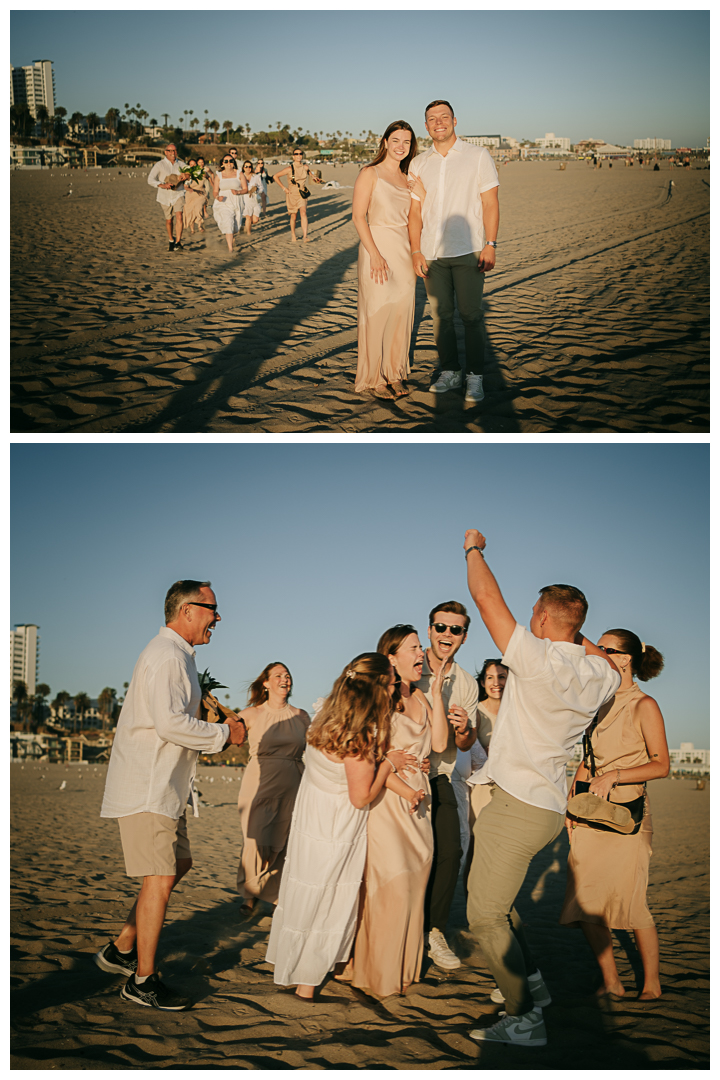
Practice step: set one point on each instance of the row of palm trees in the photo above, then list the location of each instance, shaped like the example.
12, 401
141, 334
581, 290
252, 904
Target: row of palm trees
30, 708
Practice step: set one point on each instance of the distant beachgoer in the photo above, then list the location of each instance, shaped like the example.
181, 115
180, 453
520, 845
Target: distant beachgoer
347, 763
150, 782
557, 681
453, 236
195, 198
170, 196
276, 741
251, 204
608, 871
386, 279
229, 186
297, 193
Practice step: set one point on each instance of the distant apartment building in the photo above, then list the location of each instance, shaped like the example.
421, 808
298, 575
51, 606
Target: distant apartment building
653, 144
688, 759
34, 85
25, 656
483, 140
553, 142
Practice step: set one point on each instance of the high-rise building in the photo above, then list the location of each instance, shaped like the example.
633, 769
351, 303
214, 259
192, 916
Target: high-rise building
34, 84
653, 144
24, 656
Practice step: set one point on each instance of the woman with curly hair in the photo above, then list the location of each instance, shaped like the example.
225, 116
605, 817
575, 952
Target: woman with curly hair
608, 871
347, 763
276, 741
388, 952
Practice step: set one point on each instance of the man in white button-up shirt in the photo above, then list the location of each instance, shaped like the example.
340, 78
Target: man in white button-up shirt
150, 781
453, 226
557, 680
171, 199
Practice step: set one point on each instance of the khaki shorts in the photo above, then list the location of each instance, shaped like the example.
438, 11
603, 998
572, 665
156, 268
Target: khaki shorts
153, 843
173, 208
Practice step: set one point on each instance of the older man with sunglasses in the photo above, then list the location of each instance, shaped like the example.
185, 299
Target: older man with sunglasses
150, 782
447, 631
171, 197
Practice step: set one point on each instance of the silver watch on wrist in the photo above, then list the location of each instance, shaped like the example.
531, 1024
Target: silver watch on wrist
491, 243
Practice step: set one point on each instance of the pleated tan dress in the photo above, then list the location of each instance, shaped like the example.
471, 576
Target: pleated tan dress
386, 312
389, 945
276, 741
607, 872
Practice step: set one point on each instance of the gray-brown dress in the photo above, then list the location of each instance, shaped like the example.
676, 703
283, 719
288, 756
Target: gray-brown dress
276, 741
607, 873
385, 312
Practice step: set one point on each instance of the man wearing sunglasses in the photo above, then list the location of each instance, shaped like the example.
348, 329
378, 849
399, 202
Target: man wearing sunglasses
557, 680
150, 782
171, 199
447, 631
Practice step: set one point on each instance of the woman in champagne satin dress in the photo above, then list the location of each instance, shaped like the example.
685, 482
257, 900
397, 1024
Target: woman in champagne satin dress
386, 279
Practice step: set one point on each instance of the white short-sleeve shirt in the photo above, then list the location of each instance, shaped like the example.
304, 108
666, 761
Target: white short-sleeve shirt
452, 219
553, 691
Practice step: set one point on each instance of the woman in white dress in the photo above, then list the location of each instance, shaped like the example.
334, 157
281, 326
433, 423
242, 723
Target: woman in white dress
346, 765
251, 202
229, 186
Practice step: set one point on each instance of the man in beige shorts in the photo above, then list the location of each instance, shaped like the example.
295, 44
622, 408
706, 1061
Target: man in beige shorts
150, 782
171, 199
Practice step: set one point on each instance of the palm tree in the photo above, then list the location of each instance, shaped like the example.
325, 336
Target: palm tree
195, 121
92, 121
106, 700
42, 116
227, 127
58, 120
20, 697
59, 703
215, 126
41, 692
82, 704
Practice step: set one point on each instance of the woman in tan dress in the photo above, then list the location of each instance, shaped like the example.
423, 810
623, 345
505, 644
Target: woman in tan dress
276, 741
298, 173
195, 199
608, 871
386, 278
388, 952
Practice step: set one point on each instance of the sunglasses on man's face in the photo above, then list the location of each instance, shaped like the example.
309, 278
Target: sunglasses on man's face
196, 603
441, 627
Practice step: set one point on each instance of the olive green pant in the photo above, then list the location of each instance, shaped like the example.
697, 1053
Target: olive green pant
507, 834
458, 279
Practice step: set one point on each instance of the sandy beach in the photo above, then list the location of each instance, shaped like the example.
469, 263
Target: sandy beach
70, 894
597, 315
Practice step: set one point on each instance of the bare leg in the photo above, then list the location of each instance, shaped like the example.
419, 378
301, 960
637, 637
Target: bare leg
263, 201
304, 222
647, 943
229, 238
149, 910
306, 992
178, 227
293, 216
599, 939
248, 225
168, 226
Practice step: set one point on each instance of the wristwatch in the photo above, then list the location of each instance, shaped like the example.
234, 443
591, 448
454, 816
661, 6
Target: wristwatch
491, 243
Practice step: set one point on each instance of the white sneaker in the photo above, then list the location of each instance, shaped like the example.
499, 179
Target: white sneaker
440, 952
449, 380
527, 1030
538, 989
474, 388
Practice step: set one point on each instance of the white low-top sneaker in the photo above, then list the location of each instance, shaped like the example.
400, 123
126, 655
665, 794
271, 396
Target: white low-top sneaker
474, 388
449, 380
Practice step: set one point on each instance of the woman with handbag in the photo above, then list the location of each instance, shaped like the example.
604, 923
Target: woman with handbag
297, 194
276, 741
608, 869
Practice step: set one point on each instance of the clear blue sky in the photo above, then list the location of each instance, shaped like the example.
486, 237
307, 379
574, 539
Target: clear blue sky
617, 75
314, 550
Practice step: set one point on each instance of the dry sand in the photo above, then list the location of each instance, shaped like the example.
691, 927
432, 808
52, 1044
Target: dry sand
597, 313
70, 894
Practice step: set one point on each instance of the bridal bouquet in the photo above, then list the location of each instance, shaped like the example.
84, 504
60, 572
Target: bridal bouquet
193, 172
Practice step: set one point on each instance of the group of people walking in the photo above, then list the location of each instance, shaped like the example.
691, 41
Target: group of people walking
351, 826
239, 191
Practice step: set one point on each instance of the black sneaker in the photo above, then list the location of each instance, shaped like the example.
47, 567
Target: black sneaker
178, 246
111, 959
171, 245
154, 994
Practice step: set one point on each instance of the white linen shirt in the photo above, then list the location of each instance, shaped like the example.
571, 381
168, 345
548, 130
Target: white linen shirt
452, 219
459, 688
158, 175
553, 691
158, 737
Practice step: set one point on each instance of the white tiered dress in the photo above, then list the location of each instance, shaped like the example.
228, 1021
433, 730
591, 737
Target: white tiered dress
228, 213
315, 920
